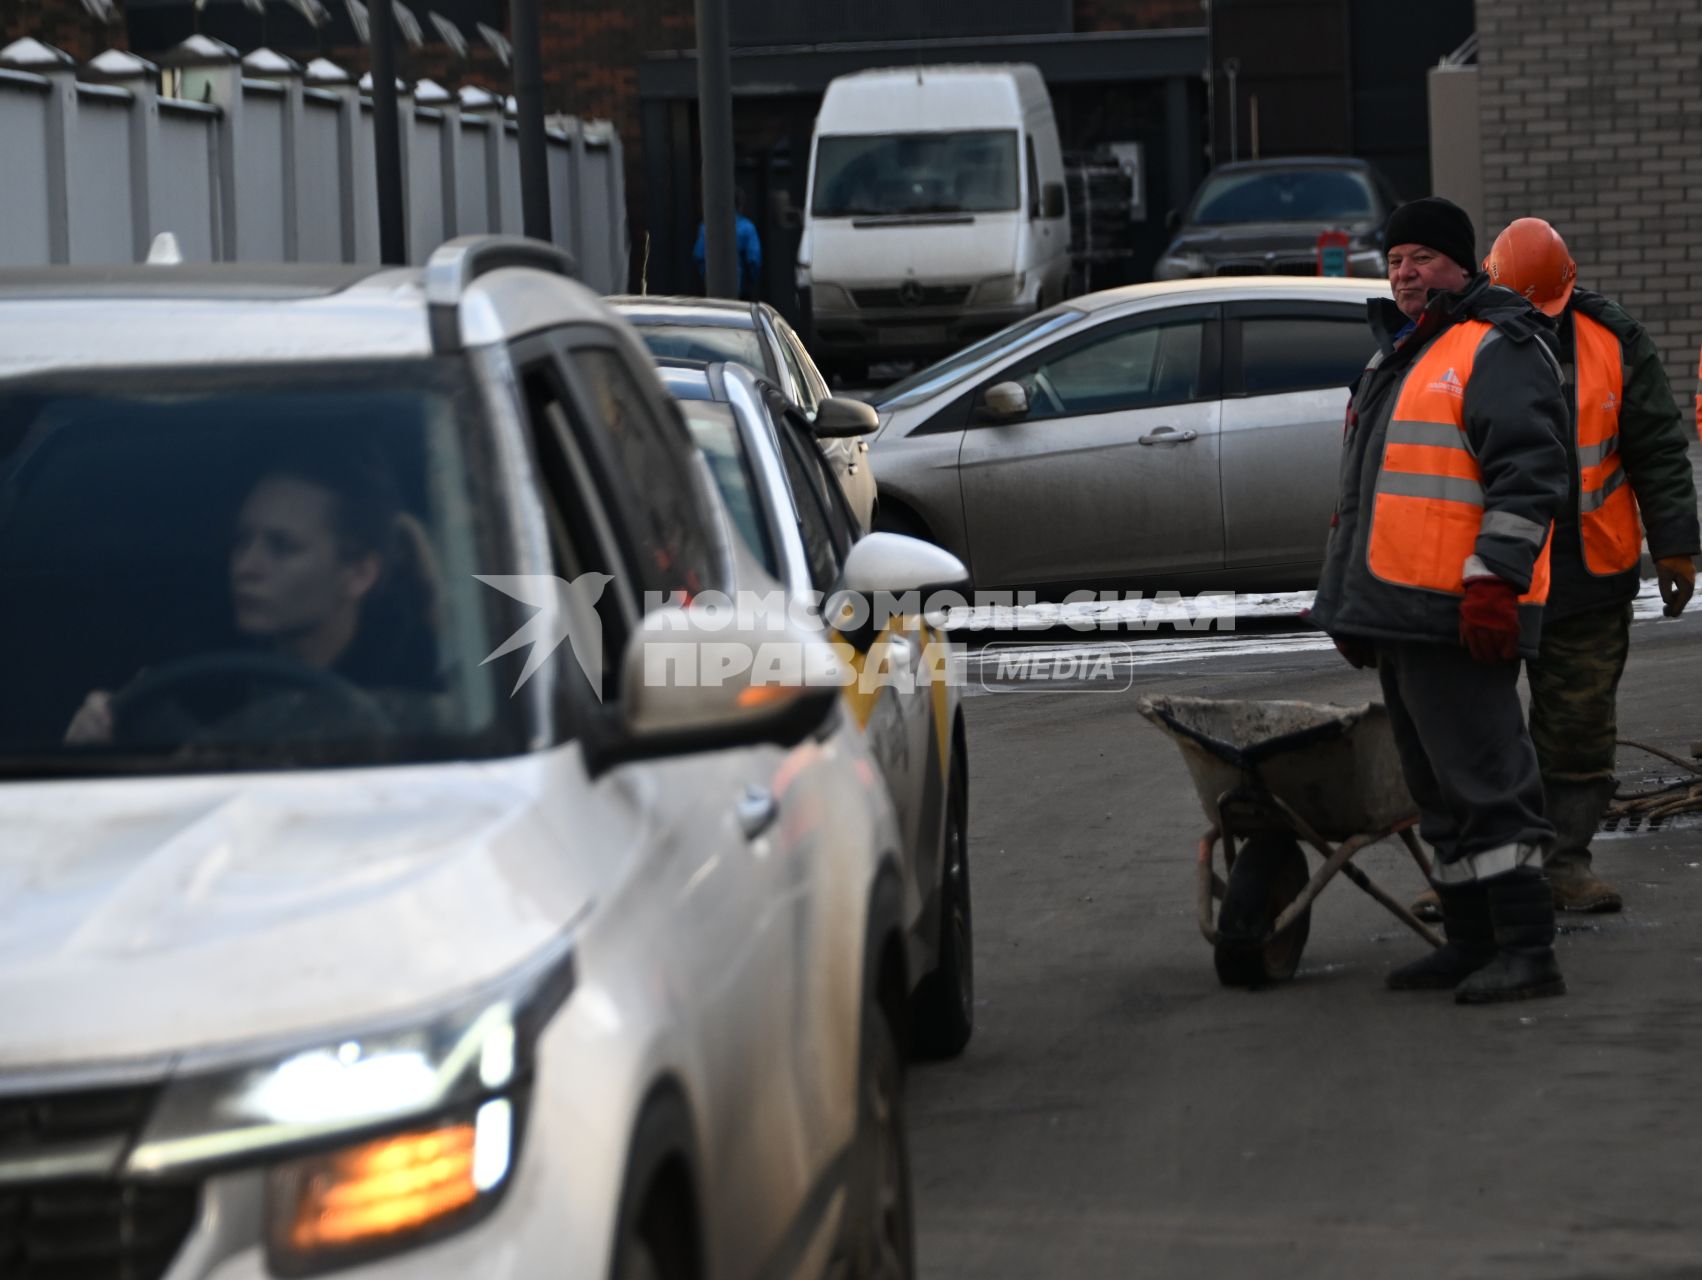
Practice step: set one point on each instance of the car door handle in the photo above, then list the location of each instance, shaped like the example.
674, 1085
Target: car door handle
757, 811
1169, 435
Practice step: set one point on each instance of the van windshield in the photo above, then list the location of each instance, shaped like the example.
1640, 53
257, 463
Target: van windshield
909, 173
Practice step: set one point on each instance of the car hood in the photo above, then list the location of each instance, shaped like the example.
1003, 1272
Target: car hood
1264, 237
144, 918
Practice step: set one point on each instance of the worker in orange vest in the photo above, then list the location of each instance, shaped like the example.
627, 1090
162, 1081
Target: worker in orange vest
1436, 572
1630, 458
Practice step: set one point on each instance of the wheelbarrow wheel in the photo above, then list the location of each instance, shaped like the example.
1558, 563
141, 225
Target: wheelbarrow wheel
1269, 873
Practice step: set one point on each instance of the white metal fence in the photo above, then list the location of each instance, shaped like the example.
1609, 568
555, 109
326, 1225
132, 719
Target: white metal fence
255, 160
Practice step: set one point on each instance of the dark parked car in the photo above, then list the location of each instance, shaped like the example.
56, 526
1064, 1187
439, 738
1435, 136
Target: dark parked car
1263, 217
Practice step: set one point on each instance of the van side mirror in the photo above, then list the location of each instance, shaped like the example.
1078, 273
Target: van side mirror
1052, 200
1005, 402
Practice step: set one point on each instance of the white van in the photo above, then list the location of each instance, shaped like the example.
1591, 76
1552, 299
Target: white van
936, 210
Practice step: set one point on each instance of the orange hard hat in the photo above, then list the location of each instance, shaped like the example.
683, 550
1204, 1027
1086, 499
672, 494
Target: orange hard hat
1530, 258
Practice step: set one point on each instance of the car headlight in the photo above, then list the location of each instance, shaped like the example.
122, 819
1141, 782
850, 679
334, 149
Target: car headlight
1179, 266
372, 1141
1367, 262
1000, 289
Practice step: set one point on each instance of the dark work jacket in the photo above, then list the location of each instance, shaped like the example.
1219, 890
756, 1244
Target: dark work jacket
1654, 449
1515, 423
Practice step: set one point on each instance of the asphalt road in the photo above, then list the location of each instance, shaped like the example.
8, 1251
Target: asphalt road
1119, 1114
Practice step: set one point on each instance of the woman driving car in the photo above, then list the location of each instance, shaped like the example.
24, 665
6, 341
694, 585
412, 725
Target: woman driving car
331, 586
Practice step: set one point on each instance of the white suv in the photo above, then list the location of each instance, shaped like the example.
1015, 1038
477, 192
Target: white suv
349, 919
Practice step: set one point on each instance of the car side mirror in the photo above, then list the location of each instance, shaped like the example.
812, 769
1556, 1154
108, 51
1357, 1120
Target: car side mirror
1052, 200
1172, 221
880, 571
840, 416
696, 679
1005, 402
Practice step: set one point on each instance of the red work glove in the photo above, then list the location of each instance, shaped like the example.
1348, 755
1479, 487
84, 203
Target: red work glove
1359, 653
1489, 620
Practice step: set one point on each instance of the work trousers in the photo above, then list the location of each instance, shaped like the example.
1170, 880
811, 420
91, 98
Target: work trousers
1574, 694
1467, 757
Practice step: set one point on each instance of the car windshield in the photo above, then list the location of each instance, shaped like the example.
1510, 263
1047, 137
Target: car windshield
717, 435
972, 360
1284, 195
906, 173
254, 568
710, 343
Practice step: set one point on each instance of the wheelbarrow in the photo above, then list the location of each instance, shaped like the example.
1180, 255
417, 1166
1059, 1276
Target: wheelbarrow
1272, 776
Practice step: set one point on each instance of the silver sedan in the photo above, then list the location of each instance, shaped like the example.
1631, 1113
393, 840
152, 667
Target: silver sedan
1181, 436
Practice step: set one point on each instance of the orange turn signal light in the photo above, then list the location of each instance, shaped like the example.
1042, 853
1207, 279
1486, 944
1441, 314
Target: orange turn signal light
762, 695
363, 1194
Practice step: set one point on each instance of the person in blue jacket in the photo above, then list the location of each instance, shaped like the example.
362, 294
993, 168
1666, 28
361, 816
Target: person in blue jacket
750, 250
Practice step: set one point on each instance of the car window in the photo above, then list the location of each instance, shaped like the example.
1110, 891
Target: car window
269, 566
815, 386
712, 426
670, 543
826, 541
1302, 353
803, 394
581, 538
973, 359
707, 343
1033, 180
1282, 195
893, 173
1132, 368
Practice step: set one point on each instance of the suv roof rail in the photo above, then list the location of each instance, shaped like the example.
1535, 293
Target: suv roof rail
455, 264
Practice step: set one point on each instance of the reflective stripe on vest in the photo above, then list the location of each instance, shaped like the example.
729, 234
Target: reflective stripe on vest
1607, 511
1428, 509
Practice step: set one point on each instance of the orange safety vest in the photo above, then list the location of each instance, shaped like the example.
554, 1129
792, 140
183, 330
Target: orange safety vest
1428, 508
1699, 396
1607, 511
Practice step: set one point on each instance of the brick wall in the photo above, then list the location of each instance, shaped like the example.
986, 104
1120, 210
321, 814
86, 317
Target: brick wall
64, 24
1592, 119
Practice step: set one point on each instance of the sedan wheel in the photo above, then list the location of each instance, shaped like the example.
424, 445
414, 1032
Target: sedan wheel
943, 1011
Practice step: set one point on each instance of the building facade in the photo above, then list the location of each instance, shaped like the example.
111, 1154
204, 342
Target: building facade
1591, 117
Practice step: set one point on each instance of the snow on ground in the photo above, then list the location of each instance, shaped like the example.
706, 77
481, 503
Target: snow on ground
1207, 614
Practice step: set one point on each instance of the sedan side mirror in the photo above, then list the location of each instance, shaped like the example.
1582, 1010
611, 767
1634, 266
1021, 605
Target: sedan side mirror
840, 416
882, 569
1052, 200
1005, 402
1172, 220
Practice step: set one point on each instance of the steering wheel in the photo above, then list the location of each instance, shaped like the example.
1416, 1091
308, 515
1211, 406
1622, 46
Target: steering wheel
1043, 384
163, 702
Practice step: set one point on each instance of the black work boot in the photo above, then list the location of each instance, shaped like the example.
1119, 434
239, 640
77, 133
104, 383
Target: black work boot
1575, 809
1521, 908
1470, 946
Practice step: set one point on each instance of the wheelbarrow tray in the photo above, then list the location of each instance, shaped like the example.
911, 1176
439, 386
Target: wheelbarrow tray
1335, 766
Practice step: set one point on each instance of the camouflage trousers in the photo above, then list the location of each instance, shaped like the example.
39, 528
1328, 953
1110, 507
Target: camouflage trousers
1574, 689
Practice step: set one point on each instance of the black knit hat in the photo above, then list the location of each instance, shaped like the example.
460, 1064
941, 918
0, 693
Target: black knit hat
1436, 224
